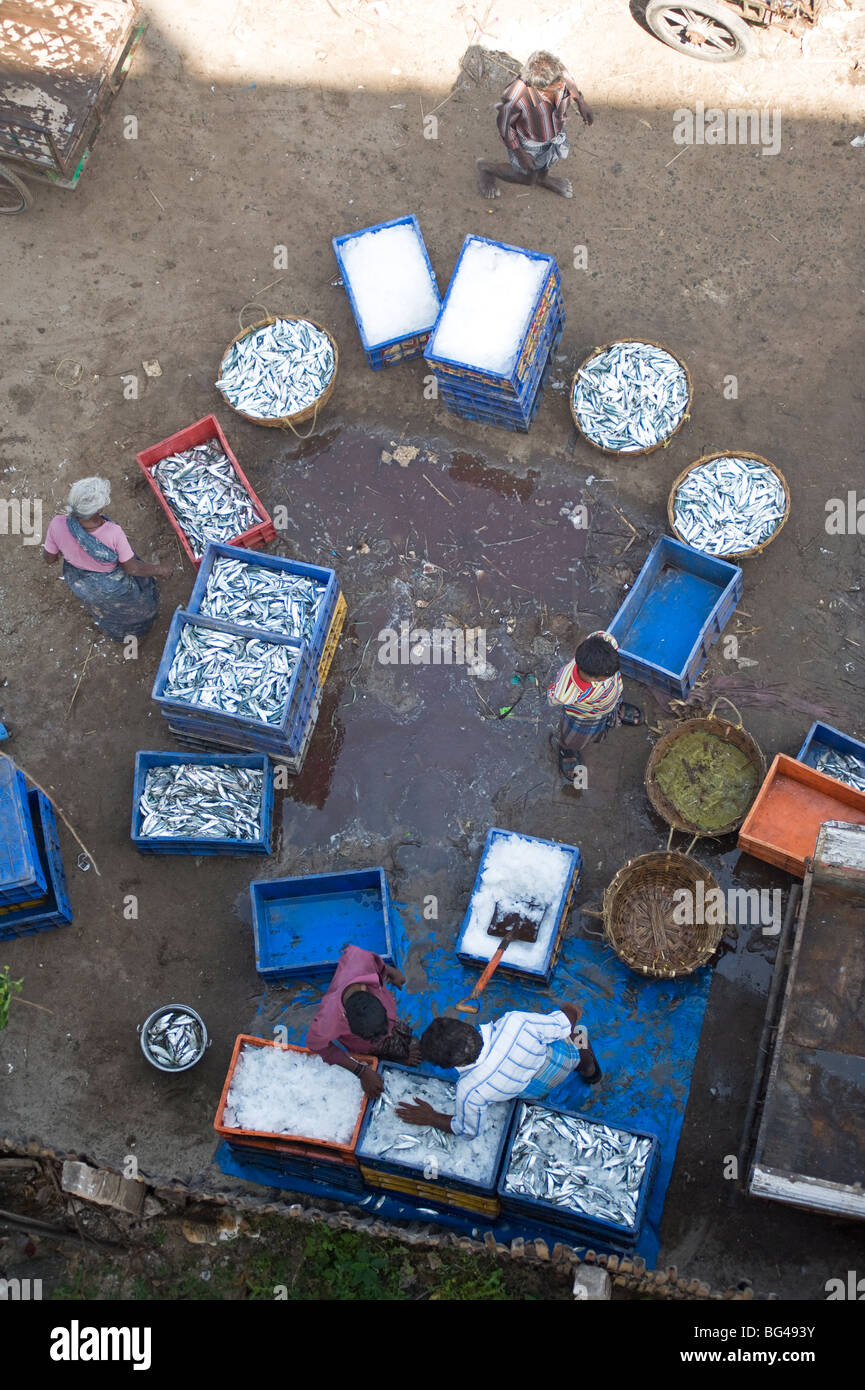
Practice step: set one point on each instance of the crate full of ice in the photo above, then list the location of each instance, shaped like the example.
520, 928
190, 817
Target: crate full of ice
279, 1093
493, 316
535, 878
577, 1173
391, 287
443, 1161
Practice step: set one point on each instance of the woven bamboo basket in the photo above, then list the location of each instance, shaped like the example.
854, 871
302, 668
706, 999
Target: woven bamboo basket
662, 443
722, 454
640, 912
300, 417
728, 733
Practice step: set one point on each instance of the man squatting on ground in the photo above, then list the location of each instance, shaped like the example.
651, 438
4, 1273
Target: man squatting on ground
531, 121
589, 691
520, 1054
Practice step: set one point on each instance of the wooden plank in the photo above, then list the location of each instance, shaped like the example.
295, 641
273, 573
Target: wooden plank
798, 1190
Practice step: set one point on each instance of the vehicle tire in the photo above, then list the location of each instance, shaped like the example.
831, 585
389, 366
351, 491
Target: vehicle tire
15, 196
706, 29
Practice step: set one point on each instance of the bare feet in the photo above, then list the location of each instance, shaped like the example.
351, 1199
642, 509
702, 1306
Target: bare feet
561, 186
487, 181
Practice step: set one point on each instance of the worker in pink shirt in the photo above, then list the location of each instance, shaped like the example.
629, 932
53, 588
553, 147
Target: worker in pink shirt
358, 1014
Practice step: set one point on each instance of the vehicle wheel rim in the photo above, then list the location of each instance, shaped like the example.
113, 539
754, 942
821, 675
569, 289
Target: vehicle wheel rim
12, 198
692, 29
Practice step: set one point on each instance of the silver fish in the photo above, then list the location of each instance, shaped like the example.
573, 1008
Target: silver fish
249, 677
251, 594
205, 495
729, 505
630, 397
198, 801
843, 766
278, 370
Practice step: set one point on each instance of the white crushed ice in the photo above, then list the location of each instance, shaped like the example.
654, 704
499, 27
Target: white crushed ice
488, 308
391, 283
275, 1091
462, 1158
518, 869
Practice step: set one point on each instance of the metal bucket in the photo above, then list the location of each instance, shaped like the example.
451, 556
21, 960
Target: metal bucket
145, 1028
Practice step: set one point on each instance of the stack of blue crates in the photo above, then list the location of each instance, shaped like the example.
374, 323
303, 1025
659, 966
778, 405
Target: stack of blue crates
207, 727
33, 893
508, 399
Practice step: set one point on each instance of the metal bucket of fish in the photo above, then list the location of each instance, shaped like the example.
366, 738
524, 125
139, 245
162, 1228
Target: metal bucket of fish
729, 504
630, 397
174, 1038
643, 918
279, 372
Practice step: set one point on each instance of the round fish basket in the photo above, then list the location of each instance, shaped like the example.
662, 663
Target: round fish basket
649, 449
646, 916
710, 458
153, 1050
309, 412
727, 733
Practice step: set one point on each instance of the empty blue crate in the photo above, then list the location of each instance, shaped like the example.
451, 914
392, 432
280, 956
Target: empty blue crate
146, 760
384, 248
300, 925
22, 878
677, 609
53, 908
821, 739
277, 565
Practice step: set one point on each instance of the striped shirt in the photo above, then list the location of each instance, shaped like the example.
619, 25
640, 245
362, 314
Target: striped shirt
514, 1051
589, 701
524, 113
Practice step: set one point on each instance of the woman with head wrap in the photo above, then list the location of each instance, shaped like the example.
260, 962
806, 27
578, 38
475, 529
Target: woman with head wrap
99, 565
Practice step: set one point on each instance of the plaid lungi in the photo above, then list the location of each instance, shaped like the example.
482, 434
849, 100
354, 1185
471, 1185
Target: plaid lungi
543, 153
574, 734
563, 1057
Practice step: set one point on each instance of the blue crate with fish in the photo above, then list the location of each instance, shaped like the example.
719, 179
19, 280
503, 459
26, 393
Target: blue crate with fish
287, 746
301, 924
836, 754
216, 675
577, 1173
391, 287
495, 318
22, 878
431, 1168
53, 908
266, 593
532, 878
676, 610
198, 803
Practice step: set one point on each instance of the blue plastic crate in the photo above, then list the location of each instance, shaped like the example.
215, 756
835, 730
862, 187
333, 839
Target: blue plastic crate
481, 394
385, 354
22, 877
205, 716
258, 738
677, 609
155, 844
821, 737
544, 970
547, 303
565, 1219
326, 577
301, 924
325, 1172
54, 908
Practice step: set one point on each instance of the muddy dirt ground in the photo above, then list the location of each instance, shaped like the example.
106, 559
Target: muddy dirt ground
256, 131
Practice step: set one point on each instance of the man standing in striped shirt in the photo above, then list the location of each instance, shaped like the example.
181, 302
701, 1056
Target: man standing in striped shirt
531, 121
520, 1054
589, 692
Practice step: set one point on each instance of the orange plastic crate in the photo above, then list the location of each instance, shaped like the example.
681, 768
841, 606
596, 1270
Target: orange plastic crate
793, 802
300, 1144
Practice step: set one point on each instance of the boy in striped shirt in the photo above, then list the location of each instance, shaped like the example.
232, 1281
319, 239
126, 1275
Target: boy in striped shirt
589, 692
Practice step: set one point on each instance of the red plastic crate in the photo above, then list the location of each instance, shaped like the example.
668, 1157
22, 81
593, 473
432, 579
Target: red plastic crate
204, 429
793, 802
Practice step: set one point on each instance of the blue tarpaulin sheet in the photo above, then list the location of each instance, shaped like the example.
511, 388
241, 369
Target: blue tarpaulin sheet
644, 1033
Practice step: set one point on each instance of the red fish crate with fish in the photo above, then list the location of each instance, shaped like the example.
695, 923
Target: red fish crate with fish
206, 428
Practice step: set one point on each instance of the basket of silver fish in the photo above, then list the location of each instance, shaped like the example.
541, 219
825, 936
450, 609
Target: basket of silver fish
202, 803
702, 776
652, 916
437, 1169
173, 1038
729, 504
577, 1173
280, 372
630, 397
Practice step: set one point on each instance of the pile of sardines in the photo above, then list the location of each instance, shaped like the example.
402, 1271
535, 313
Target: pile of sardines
843, 766
630, 397
255, 595
205, 494
569, 1162
729, 505
174, 1039
202, 801
241, 676
277, 370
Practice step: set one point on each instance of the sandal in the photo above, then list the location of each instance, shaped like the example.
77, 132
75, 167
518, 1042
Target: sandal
631, 714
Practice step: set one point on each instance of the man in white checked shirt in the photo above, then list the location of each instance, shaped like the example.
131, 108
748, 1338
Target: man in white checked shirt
520, 1054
